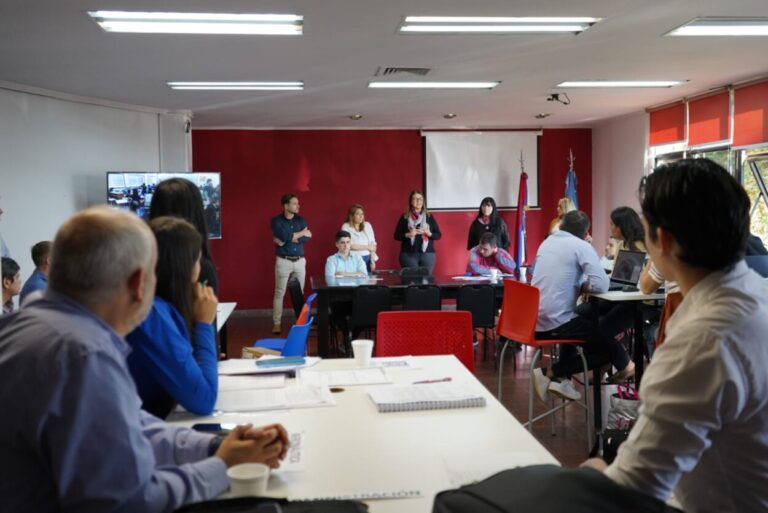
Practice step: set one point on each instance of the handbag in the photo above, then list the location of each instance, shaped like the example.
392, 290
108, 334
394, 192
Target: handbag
623, 411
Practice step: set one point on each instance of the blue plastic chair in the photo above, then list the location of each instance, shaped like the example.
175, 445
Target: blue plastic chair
294, 345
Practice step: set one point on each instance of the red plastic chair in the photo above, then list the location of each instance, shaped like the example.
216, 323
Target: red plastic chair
426, 333
517, 323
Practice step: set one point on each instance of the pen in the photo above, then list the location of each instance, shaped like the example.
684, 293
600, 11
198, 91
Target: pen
427, 381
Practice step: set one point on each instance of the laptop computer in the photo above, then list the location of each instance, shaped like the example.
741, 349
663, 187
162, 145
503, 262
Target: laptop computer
626, 270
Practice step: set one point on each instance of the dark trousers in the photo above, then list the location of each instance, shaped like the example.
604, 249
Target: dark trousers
597, 349
418, 260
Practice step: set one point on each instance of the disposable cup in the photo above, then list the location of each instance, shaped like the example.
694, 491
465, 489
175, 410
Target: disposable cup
248, 479
363, 350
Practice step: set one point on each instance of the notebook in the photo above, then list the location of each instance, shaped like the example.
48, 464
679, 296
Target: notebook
436, 396
626, 270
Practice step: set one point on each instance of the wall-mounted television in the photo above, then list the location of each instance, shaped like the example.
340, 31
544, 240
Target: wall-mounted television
133, 191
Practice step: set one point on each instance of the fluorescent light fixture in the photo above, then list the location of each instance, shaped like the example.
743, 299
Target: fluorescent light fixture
621, 83
433, 85
722, 27
198, 23
236, 86
494, 25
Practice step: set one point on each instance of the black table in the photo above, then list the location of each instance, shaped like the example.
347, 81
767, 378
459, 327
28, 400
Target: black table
342, 289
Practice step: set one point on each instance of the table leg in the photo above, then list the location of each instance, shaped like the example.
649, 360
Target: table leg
323, 307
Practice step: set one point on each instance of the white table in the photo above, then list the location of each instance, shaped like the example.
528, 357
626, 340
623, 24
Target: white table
351, 448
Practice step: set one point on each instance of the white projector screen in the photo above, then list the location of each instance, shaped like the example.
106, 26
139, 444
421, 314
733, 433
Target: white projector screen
465, 167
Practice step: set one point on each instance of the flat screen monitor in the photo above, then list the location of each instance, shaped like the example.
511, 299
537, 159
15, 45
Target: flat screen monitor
133, 191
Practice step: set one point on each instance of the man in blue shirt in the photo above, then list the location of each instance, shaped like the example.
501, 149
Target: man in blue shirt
344, 263
567, 266
75, 438
41, 256
289, 233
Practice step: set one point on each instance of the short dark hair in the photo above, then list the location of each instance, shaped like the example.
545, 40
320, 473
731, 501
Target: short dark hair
488, 238
341, 234
286, 198
576, 223
9, 268
711, 237
40, 251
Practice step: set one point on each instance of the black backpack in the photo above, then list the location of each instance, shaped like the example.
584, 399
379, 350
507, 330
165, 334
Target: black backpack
547, 489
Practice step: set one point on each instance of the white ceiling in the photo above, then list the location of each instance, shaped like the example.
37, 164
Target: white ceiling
53, 44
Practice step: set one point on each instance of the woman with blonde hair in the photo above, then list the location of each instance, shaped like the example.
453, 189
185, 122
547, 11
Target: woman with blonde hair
417, 230
564, 205
361, 233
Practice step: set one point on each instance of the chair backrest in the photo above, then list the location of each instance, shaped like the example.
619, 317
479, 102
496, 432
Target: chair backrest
426, 333
296, 295
306, 309
519, 312
367, 302
414, 272
296, 343
480, 301
422, 297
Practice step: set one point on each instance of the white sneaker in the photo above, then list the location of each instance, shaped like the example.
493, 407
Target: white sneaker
541, 383
564, 389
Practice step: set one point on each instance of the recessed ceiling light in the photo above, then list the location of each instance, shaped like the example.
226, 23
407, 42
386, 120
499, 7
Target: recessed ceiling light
494, 25
356, 117
449, 115
432, 85
621, 83
198, 23
722, 27
237, 86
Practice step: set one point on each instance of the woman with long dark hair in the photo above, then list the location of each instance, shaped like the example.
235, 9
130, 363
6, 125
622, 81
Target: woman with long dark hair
417, 230
174, 348
181, 198
626, 226
488, 220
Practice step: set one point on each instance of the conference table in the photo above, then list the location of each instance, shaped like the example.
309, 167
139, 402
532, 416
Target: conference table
342, 289
350, 450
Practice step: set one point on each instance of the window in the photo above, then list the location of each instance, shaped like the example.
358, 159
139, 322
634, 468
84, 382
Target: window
754, 178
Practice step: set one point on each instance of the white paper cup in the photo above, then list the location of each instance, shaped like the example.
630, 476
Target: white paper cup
523, 275
248, 479
494, 274
363, 350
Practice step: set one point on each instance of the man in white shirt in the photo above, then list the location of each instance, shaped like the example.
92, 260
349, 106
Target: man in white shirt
702, 431
567, 266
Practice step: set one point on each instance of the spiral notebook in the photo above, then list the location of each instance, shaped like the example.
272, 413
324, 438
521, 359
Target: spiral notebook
437, 396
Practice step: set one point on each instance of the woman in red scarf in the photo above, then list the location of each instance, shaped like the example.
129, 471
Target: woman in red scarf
417, 230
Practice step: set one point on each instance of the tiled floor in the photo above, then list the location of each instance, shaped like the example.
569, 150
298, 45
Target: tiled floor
568, 444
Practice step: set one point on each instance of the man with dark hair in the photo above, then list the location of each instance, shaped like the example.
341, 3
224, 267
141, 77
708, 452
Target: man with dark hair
487, 255
41, 257
76, 438
289, 233
566, 266
702, 428
344, 263
11, 282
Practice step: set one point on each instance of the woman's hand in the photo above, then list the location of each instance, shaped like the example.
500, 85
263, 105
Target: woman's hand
204, 304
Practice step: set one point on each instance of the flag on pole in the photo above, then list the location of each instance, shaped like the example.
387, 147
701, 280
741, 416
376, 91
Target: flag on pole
522, 206
571, 182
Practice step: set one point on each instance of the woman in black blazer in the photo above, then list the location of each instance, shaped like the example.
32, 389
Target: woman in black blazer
417, 230
488, 220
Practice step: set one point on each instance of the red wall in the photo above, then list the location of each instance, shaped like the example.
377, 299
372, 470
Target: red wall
331, 169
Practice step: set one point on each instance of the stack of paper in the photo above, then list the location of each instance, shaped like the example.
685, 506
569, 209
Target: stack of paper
274, 399
435, 396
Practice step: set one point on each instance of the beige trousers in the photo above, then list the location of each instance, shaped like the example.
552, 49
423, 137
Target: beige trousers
284, 270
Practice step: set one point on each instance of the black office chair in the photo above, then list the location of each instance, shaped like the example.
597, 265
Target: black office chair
480, 300
414, 272
422, 297
367, 302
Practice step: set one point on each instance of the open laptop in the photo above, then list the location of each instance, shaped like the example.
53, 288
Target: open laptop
626, 270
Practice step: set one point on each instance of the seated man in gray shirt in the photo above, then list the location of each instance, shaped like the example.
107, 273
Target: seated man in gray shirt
75, 437
702, 431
